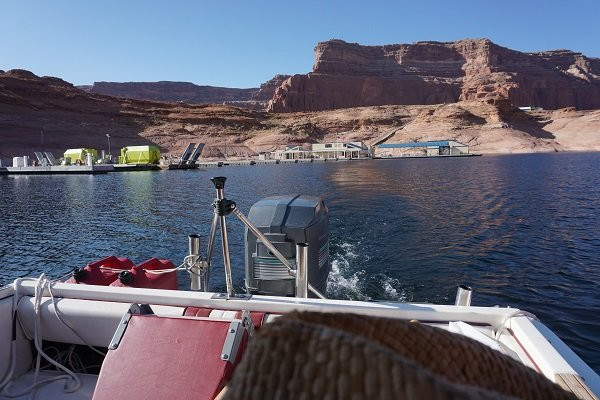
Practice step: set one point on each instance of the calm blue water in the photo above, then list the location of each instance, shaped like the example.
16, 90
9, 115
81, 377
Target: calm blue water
522, 230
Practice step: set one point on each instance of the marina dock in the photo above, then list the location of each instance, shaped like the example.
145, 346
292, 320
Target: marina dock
135, 167
147, 158
226, 163
106, 168
409, 156
58, 170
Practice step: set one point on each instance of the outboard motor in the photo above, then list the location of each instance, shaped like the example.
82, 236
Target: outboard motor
286, 221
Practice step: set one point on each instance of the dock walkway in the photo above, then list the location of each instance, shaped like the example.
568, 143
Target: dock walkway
57, 170
211, 164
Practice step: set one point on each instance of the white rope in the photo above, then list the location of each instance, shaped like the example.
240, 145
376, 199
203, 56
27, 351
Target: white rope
67, 357
185, 265
65, 323
165, 271
13, 344
102, 267
72, 384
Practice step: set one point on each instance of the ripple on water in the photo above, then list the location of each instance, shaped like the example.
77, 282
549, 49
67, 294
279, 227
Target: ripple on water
522, 230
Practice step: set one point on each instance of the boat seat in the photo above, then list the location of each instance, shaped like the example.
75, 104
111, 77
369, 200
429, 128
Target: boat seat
164, 357
258, 318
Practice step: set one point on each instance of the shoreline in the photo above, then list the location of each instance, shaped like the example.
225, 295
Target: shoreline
218, 163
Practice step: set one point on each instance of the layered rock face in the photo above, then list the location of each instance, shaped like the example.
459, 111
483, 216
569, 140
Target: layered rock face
350, 75
186, 92
171, 91
267, 89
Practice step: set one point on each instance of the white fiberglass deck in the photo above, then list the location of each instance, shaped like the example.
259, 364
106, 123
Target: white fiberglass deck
97, 310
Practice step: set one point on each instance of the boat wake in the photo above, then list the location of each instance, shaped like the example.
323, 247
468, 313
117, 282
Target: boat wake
348, 281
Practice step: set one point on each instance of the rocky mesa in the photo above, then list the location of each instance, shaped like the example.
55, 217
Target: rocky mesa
32, 108
351, 75
171, 91
187, 92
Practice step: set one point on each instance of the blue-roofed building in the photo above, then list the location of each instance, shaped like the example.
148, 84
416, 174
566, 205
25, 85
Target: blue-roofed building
431, 148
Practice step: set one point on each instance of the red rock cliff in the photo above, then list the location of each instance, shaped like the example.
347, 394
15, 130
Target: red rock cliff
267, 89
351, 75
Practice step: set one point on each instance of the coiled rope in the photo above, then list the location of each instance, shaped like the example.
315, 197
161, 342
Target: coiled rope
72, 381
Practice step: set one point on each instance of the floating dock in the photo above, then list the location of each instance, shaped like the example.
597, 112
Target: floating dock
106, 168
430, 149
135, 167
211, 164
431, 156
57, 170
180, 166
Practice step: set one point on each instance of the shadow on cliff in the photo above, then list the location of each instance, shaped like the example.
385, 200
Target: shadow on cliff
56, 132
534, 126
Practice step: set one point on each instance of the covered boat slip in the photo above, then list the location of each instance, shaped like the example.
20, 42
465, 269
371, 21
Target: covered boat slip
95, 313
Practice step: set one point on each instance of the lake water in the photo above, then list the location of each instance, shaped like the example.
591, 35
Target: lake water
523, 230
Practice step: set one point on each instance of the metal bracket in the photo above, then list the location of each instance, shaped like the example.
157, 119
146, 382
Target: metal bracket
232, 341
236, 296
247, 323
235, 333
137, 309
198, 268
224, 206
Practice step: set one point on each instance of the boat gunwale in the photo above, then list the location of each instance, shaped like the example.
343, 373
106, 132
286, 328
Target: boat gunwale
494, 316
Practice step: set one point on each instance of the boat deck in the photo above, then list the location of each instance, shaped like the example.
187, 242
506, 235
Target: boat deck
96, 311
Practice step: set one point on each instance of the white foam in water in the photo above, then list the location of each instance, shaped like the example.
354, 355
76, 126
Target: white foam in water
347, 247
345, 283
391, 293
389, 289
340, 286
341, 282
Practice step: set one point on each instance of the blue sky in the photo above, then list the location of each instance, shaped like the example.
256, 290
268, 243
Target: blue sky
244, 43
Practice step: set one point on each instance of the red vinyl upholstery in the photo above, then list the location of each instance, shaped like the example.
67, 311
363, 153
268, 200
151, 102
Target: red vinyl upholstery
167, 358
257, 317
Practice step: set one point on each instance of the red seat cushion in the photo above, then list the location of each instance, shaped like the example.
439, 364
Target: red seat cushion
167, 358
197, 311
257, 317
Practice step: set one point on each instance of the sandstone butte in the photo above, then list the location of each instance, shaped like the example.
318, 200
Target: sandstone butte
350, 75
470, 101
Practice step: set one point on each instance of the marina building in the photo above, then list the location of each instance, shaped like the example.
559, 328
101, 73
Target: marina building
291, 153
421, 149
340, 150
352, 150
